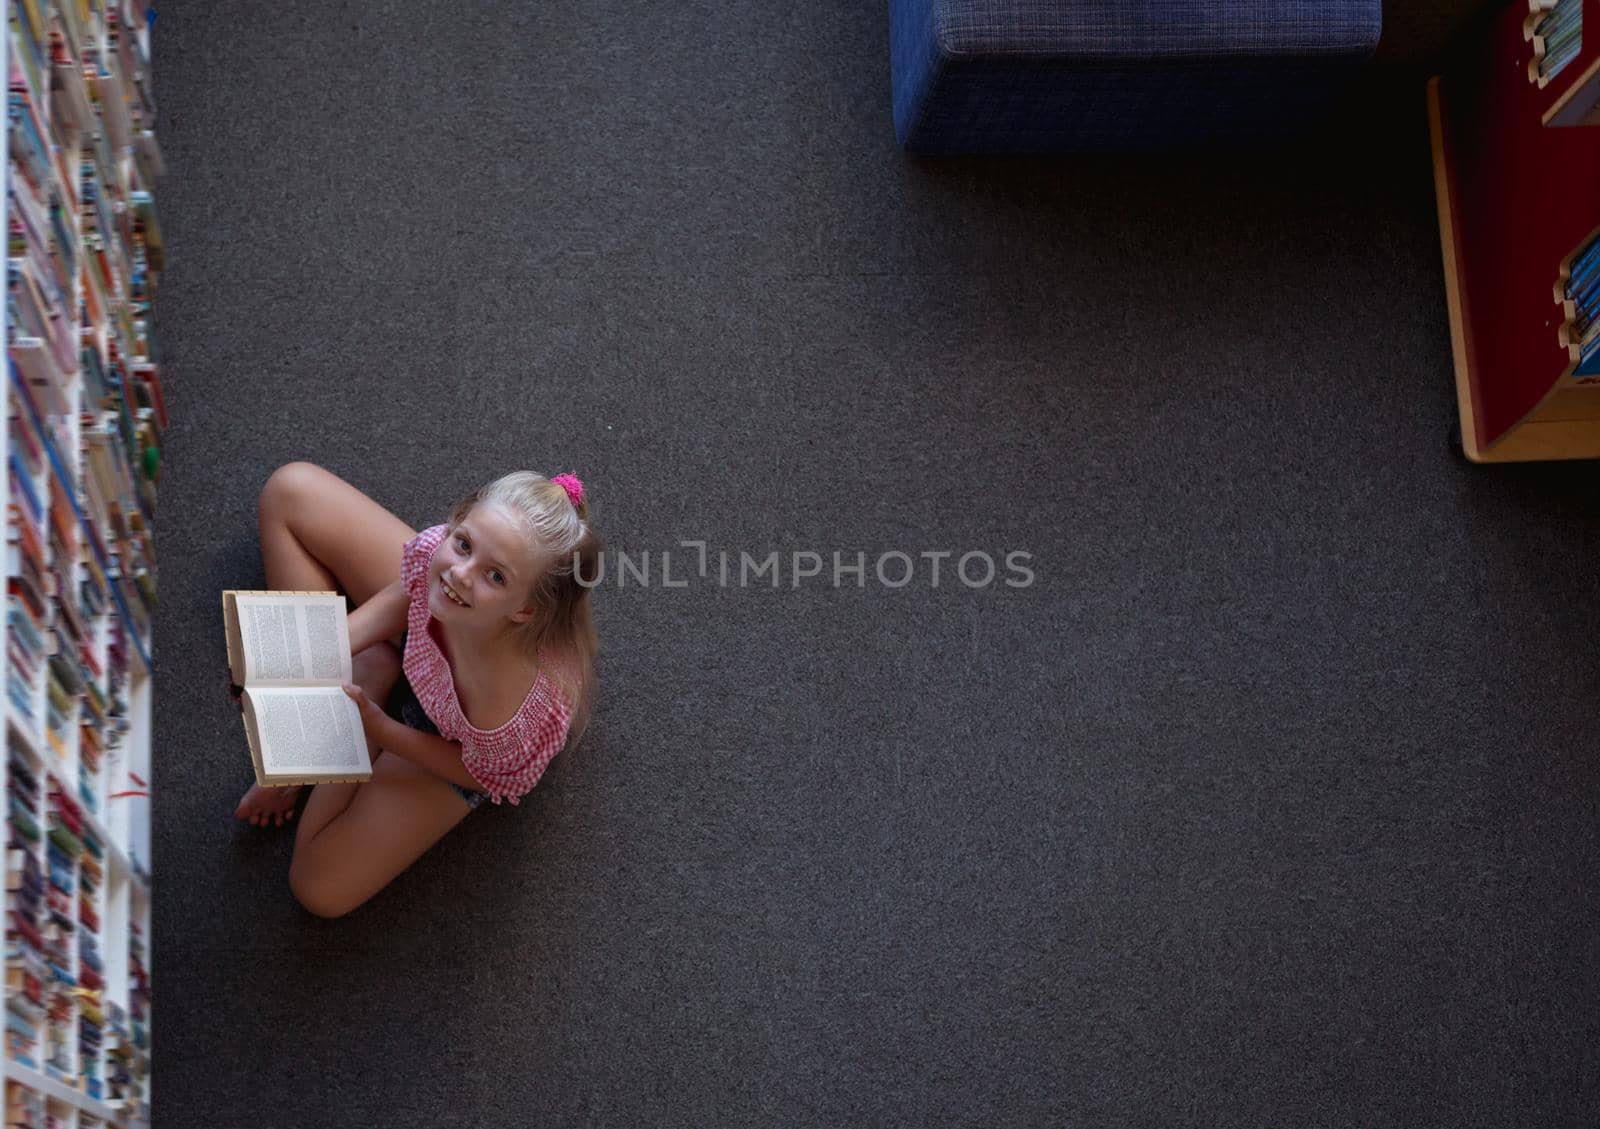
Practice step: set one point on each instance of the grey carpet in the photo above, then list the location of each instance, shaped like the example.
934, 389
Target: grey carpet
1272, 801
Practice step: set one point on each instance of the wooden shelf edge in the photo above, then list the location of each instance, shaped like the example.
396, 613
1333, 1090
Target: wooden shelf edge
1543, 441
1453, 295
1573, 109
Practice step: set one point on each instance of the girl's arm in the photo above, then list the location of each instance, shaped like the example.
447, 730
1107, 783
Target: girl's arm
438, 756
380, 618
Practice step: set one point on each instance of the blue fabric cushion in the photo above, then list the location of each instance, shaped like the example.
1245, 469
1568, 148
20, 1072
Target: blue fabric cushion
1039, 76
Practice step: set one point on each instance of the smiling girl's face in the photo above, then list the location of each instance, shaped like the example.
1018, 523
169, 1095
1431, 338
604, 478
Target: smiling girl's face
487, 566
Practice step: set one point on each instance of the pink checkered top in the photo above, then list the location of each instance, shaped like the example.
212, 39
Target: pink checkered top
508, 761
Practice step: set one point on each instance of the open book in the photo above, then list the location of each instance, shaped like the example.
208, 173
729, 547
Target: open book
291, 653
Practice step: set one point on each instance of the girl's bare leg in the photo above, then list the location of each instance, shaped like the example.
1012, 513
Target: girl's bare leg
318, 532
388, 824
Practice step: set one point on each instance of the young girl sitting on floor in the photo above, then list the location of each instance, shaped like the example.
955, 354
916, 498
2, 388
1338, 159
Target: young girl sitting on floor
486, 627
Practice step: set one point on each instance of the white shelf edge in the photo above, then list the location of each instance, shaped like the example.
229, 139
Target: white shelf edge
15, 1072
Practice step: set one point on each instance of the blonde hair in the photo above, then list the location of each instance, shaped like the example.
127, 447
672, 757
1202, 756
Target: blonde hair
565, 547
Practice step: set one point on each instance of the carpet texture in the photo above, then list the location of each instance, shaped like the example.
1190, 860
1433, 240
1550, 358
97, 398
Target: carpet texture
1270, 801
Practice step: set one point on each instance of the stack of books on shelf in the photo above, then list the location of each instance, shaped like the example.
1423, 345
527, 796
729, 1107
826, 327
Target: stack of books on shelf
85, 420
23, 1106
26, 1109
1579, 296
1556, 29
62, 848
124, 1061
27, 972
91, 968
63, 684
139, 1026
27, 575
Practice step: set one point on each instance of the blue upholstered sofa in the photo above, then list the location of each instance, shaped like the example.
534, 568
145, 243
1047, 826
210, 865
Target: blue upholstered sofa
1006, 76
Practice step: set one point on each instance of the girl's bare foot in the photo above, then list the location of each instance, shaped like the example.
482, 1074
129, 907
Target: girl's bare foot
268, 806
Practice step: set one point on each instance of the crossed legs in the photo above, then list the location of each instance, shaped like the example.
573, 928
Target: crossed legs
319, 532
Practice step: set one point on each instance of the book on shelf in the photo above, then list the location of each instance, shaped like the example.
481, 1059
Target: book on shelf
1578, 293
290, 652
1556, 29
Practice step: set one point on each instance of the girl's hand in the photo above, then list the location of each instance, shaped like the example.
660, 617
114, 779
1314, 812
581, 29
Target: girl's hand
373, 719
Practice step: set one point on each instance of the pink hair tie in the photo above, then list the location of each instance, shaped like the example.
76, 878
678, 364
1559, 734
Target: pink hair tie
570, 483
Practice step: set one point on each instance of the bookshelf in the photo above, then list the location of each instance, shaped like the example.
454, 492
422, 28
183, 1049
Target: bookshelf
1517, 176
81, 453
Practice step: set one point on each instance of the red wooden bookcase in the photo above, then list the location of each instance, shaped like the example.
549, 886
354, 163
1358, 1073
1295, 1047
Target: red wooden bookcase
1517, 173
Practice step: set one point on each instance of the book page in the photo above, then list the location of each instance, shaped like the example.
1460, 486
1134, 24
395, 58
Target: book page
294, 640
309, 731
